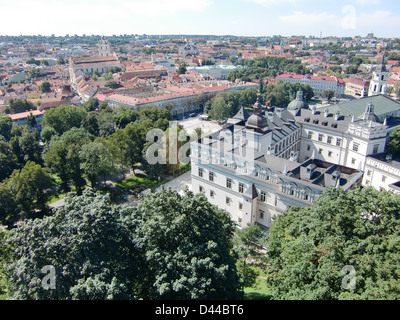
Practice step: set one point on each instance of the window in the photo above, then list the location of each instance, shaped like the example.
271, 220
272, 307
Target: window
310, 134
329, 140
308, 147
263, 196
320, 137
212, 194
228, 201
384, 178
369, 173
338, 142
376, 148
211, 176
241, 187
229, 183
320, 151
240, 206
353, 161
355, 147
262, 214
201, 189
200, 173
330, 154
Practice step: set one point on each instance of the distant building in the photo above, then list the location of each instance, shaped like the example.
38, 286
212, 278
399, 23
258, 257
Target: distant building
319, 84
218, 72
357, 88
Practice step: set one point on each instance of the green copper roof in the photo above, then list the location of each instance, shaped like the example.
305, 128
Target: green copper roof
383, 106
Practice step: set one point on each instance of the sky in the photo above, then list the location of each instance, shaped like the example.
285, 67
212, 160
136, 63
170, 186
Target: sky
201, 17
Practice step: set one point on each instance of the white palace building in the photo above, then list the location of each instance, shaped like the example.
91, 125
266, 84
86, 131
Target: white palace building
261, 164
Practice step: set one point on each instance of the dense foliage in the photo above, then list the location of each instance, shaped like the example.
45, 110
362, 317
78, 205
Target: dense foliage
263, 67
169, 247
313, 250
227, 104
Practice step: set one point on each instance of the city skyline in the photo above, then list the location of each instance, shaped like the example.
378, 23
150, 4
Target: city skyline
202, 17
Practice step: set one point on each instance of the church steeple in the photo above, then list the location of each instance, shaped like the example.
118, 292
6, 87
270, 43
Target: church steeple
104, 47
378, 84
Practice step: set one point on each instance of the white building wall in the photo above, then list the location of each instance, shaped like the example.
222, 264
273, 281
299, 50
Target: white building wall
380, 175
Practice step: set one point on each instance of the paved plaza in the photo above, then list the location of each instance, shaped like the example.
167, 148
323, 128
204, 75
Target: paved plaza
191, 123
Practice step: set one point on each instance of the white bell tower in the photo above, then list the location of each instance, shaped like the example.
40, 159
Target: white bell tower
104, 48
378, 84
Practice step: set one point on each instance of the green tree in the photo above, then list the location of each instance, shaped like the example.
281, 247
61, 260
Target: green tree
124, 116
246, 247
91, 123
47, 134
328, 94
64, 118
45, 87
182, 68
91, 104
393, 143
186, 242
220, 110
95, 162
9, 213
112, 84
31, 187
92, 253
309, 247
5, 127
62, 157
8, 161
20, 105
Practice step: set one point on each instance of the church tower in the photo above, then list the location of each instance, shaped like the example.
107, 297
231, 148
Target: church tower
378, 83
104, 48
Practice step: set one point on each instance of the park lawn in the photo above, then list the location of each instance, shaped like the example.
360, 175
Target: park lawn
260, 291
139, 180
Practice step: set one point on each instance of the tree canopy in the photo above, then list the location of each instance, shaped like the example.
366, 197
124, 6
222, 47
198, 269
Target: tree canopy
343, 247
168, 247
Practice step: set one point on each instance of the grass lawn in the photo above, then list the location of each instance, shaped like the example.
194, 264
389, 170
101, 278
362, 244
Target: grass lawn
55, 198
260, 291
139, 181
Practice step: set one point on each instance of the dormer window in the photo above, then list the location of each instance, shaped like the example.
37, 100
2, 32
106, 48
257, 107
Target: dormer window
307, 120
325, 123
316, 121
